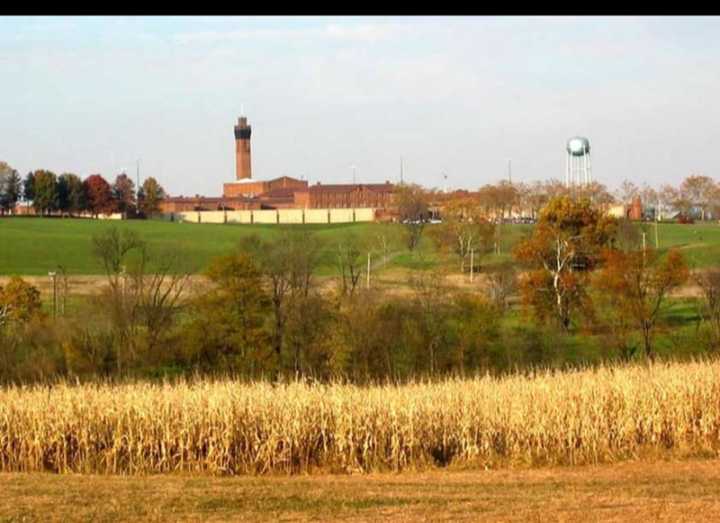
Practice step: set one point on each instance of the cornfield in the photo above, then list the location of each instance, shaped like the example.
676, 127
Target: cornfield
228, 427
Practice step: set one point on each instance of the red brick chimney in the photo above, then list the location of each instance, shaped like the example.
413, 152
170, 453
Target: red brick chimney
635, 212
243, 169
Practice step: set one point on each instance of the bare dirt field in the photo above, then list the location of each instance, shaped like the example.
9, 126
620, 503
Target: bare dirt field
630, 491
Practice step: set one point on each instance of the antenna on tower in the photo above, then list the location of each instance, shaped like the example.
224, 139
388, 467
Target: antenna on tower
137, 173
401, 169
510, 171
242, 109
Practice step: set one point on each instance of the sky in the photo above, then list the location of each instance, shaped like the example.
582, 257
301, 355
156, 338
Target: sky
460, 97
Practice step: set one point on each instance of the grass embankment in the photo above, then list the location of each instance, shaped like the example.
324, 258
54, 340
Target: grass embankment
34, 246
637, 492
226, 427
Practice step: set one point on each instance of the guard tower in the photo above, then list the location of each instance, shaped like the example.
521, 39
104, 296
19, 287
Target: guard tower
243, 167
578, 169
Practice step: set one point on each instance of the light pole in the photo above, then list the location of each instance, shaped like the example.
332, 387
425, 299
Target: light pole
367, 285
52, 275
472, 263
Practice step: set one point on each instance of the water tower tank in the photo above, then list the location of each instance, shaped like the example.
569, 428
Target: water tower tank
578, 146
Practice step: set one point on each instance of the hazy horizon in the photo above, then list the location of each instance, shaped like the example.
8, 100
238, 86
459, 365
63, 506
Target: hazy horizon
459, 95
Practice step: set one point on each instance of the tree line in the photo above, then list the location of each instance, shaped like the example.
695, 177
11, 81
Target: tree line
696, 196
70, 195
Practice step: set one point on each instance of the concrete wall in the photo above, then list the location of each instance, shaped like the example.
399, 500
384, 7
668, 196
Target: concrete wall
265, 216
316, 216
187, 217
286, 216
212, 217
341, 216
365, 215
239, 217
291, 215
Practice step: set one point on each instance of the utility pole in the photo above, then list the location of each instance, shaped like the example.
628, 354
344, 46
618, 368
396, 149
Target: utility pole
401, 170
658, 217
367, 283
472, 263
644, 247
52, 275
510, 171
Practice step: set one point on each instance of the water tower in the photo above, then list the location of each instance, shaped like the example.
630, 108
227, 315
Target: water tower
577, 162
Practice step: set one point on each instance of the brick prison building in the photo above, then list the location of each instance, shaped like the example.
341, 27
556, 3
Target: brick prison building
284, 192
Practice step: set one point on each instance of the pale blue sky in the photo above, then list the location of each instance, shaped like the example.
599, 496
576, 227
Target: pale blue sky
460, 95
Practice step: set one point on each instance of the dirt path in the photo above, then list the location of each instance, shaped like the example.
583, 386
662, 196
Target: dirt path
635, 492
394, 280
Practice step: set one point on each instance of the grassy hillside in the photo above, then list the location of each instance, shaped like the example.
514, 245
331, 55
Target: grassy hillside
700, 243
33, 246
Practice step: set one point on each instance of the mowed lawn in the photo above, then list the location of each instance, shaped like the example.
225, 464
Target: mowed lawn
34, 246
700, 243
632, 491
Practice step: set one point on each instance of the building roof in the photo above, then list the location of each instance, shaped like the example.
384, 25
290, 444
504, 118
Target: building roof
205, 199
349, 187
258, 180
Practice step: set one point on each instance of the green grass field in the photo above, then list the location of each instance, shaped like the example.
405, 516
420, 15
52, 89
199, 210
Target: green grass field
34, 246
700, 243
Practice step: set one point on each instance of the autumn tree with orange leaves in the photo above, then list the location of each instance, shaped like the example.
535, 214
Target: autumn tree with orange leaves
638, 283
564, 247
464, 229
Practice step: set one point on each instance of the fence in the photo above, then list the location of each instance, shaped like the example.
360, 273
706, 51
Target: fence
274, 216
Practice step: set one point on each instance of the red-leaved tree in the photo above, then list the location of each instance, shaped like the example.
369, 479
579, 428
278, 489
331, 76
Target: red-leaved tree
99, 195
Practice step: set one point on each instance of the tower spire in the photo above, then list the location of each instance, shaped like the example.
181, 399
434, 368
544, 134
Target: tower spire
243, 166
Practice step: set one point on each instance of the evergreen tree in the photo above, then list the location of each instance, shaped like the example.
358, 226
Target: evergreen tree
29, 187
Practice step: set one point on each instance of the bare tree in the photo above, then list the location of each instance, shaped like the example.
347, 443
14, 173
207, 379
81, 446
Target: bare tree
464, 230
502, 282
350, 262
113, 248
156, 295
709, 283
699, 190
649, 196
413, 207
143, 293
627, 191
668, 197
430, 290
287, 264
